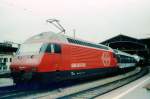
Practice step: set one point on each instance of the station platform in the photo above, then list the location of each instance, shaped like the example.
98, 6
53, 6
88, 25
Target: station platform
138, 89
6, 82
4, 74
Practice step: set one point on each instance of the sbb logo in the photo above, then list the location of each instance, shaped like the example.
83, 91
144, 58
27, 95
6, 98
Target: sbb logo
106, 58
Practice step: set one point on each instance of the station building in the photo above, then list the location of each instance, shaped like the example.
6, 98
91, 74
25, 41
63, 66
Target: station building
140, 47
7, 50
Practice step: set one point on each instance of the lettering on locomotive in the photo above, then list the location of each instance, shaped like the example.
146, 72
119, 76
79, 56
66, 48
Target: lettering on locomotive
77, 65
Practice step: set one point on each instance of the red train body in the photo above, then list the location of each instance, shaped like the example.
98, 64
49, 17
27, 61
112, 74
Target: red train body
52, 57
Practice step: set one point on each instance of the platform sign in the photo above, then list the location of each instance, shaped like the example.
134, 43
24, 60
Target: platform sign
106, 58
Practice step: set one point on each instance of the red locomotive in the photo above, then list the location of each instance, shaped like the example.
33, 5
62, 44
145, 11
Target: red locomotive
49, 57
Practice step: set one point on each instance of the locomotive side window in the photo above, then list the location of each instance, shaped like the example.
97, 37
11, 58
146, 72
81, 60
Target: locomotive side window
48, 48
43, 48
53, 48
86, 43
57, 48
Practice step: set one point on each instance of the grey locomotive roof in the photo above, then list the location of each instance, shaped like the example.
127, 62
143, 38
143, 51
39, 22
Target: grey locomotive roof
57, 37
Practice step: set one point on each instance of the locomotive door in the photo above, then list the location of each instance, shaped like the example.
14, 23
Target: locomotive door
56, 51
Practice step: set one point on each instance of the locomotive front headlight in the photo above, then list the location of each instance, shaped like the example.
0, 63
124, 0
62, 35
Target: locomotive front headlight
34, 69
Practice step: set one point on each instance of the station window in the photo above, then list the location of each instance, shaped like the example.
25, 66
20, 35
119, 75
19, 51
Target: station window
1, 60
10, 59
5, 60
4, 67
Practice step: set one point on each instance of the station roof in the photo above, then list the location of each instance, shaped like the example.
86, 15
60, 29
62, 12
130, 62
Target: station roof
7, 48
128, 44
146, 41
125, 40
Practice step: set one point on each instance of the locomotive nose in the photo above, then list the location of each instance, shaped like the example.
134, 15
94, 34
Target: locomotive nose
26, 63
23, 69
22, 76
26, 75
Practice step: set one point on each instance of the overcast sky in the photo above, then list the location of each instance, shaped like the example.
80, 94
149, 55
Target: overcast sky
93, 20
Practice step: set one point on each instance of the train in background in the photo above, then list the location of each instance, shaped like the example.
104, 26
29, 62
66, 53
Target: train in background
127, 60
50, 57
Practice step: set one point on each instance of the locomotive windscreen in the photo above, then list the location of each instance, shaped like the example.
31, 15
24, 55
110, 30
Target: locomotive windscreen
30, 48
35, 48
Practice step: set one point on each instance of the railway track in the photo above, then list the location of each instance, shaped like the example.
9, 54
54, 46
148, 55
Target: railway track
82, 91
93, 89
14, 90
99, 90
25, 90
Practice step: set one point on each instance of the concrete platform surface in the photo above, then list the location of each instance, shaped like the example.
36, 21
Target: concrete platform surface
133, 90
6, 82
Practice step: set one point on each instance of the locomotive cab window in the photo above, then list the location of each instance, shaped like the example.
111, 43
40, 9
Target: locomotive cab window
57, 48
53, 48
48, 48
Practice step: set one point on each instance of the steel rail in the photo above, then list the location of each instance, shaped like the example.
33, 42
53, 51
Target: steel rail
99, 90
